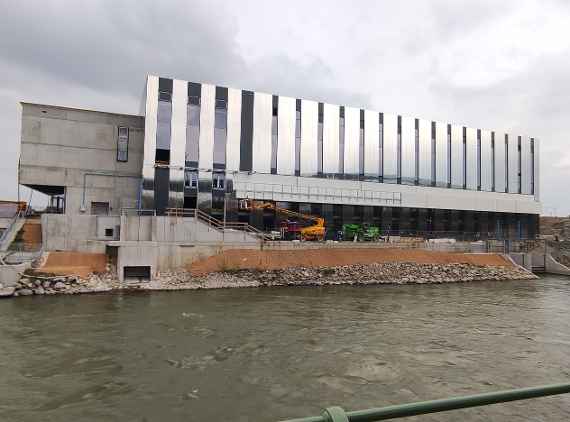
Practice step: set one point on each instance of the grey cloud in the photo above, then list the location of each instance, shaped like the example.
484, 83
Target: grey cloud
96, 54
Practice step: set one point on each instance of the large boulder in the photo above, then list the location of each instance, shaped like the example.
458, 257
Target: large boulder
7, 291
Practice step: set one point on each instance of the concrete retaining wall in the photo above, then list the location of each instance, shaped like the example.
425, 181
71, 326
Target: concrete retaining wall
11, 274
82, 233
554, 267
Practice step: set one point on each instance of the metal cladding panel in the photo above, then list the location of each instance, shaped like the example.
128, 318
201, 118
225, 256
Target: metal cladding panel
471, 163
234, 130
309, 134
536, 166
286, 136
371, 147
525, 165
513, 164
425, 158
408, 151
486, 161
178, 143
164, 125
331, 139
500, 167
206, 146
441, 154
207, 116
179, 115
262, 115
457, 157
352, 142
151, 110
390, 148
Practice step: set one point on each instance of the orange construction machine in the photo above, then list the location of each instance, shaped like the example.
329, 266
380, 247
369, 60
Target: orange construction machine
316, 231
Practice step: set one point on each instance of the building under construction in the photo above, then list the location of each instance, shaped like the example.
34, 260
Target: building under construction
275, 163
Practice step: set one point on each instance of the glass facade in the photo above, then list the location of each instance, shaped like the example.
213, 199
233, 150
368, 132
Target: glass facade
268, 134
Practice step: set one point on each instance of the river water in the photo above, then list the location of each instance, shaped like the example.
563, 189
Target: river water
277, 353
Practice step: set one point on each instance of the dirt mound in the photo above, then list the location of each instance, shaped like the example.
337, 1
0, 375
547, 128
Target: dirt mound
271, 260
74, 263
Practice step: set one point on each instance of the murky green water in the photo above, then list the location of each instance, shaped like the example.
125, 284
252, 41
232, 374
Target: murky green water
270, 354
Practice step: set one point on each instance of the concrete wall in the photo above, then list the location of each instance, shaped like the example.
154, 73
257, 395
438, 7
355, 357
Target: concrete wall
185, 230
522, 259
66, 147
85, 233
554, 267
166, 257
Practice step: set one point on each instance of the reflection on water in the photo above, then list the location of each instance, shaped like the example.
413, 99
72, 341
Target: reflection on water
271, 354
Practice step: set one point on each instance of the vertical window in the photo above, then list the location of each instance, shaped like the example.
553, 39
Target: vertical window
361, 146
464, 157
493, 171
532, 166
123, 144
191, 179
164, 116
506, 162
448, 155
341, 140
298, 138
433, 154
218, 181
193, 125
417, 151
274, 133
246, 136
381, 146
519, 166
320, 140
220, 127
478, 159
399, 152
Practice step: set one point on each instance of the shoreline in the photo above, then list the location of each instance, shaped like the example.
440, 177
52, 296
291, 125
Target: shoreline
350, 275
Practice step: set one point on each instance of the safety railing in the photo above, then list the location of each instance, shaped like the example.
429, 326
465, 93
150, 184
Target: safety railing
8, 231
214, 222
337, 414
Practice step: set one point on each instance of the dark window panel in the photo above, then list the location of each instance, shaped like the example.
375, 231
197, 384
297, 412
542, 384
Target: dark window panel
493, 159
220, 126
464, 157
399, 152
478, 159
274, 133
433, 154
246, 139
165, 85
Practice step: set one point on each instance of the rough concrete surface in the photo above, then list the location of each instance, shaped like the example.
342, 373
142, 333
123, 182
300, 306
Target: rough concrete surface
268, 260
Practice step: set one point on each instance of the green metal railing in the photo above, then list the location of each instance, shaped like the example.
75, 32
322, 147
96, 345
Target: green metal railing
337, 414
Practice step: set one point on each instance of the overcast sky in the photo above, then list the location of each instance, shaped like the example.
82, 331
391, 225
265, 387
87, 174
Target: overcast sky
502, 65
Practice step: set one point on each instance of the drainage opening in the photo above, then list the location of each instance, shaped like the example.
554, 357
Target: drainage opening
137, 273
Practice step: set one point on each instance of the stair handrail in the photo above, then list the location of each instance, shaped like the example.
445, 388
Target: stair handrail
12, 222
214, 222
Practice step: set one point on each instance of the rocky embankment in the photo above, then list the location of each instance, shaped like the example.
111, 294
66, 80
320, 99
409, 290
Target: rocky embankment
44, 284
385, 273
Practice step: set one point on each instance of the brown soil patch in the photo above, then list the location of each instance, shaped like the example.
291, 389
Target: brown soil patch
271, 260
74, 263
